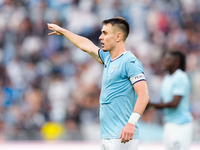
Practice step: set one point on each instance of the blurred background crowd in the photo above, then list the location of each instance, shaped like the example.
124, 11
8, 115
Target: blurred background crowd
50, 89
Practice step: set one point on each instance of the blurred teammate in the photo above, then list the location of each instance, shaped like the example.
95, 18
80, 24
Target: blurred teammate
175, 91
124, 93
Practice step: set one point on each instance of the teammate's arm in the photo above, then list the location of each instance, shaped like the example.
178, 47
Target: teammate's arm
172, 104
141, 90
79, 41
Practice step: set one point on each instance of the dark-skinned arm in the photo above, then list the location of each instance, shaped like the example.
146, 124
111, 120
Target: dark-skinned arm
173, 104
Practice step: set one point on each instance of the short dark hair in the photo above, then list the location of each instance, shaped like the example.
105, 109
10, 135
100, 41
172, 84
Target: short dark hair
121, 23
181, 57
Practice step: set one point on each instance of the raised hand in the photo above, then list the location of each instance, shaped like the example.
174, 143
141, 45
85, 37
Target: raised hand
55, 28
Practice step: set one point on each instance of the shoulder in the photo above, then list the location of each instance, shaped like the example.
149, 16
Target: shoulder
128, 54
129, 57
132, 61
181, 77
179, 74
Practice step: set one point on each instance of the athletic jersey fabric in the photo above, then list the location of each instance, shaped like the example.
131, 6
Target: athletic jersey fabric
118, 97
176, 84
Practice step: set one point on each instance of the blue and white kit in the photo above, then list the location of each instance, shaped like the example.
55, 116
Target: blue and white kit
176, 84
178, 121
118, 97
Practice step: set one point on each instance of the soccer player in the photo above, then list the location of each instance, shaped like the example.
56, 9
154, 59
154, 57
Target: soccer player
124, 95
175, 91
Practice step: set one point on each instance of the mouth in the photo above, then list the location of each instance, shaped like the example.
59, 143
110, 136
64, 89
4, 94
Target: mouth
102, 44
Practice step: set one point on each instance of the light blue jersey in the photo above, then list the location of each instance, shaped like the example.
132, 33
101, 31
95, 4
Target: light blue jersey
118, 97
176, 84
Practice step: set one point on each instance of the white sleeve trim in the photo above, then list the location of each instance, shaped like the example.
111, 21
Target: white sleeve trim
137, 78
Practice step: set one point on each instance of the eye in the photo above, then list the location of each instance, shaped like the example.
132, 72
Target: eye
104, 32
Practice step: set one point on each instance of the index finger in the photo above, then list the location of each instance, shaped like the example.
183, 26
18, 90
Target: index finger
52, 33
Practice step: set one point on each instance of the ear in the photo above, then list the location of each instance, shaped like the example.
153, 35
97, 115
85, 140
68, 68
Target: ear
119, 37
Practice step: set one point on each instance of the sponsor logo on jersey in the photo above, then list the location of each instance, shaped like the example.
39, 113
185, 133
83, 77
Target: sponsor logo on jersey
132, 61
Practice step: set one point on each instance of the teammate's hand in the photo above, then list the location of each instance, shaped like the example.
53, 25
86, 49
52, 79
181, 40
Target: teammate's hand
127, 133
55, 28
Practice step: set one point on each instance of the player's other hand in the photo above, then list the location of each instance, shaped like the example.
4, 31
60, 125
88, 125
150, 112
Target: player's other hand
127, 133
55, 28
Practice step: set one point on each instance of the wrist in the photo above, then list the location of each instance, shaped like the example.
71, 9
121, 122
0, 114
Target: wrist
134, 118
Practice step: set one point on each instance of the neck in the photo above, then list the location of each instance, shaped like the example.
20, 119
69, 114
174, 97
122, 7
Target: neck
117, 51
172, 71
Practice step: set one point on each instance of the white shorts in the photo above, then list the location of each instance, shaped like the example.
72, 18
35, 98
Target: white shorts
115, 144
177, 137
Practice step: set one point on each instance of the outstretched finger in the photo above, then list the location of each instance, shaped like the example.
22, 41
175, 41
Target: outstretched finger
50, 26
52, 33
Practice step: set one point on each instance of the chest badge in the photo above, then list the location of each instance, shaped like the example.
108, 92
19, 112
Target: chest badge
113, 68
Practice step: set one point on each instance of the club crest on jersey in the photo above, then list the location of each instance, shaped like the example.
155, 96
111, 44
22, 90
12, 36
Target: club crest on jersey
113, 68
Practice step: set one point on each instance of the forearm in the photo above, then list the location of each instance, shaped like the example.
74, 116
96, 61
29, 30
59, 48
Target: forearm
172, 104
162, 105
141, 103
82, 43
155, 105
79, 41
139, 108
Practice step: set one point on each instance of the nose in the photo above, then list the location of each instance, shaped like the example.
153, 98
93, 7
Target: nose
100, 37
